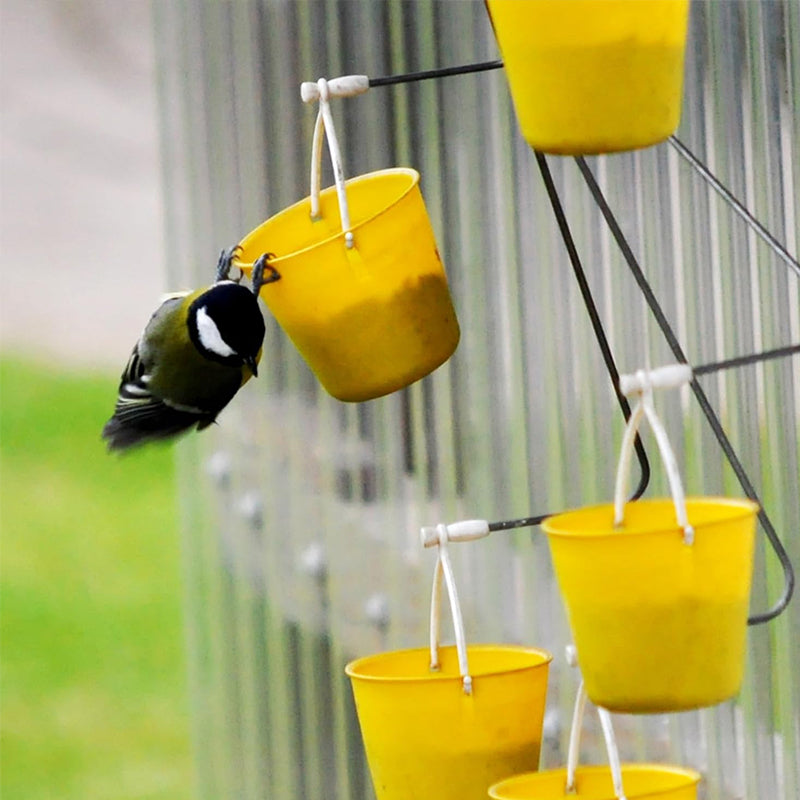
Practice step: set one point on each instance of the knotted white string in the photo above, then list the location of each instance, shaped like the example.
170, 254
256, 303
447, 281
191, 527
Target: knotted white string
642, 384
324, 125
575, 743
444, 569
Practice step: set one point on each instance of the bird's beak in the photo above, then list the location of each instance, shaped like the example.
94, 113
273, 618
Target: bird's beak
252, 365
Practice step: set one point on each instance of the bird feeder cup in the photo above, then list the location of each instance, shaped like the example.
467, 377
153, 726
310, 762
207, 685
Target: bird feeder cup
657, 591
623, 781
445, 723
593, 76
362, 290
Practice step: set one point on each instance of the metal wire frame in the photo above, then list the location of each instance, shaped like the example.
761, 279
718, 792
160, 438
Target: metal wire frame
699, 393
660, 317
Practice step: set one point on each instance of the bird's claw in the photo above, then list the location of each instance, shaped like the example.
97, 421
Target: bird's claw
225, 261
258, 277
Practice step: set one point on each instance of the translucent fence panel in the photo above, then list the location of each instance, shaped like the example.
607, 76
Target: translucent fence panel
302, 513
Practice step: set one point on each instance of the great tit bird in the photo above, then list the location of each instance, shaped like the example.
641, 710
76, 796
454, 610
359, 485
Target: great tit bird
198, 349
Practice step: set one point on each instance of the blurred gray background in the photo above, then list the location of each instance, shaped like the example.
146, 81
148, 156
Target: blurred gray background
81, 242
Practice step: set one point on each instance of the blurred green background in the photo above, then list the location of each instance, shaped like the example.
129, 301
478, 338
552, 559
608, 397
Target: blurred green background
93, 689
93, 693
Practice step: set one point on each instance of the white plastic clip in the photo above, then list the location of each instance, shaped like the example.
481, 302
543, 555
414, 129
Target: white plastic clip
571, 654
464, 531
345, 86
671, 376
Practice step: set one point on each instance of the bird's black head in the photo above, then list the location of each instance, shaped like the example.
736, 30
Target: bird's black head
225, 324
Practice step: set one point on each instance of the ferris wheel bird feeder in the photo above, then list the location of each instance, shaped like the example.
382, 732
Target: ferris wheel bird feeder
656, 590
447, 722
593, 76
363, 292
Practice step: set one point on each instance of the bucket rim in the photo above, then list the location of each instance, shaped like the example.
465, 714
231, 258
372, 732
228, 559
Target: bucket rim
746, 507
692, 775
415, 176
352, 668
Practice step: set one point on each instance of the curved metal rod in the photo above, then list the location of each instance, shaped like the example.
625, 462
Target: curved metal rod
602, 340
700, 395
594, 316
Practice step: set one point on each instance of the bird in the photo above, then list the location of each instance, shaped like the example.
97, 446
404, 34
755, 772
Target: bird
195, 353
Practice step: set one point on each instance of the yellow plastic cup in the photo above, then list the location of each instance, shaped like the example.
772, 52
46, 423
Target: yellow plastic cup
641, 781
593, 76
369, 319
426, 738
659, 625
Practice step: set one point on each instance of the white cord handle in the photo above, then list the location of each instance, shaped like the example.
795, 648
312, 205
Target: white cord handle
324, 124
575, 743
444, 569
643, 383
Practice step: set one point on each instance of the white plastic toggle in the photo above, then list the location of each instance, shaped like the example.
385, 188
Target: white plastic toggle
571, 654
670, 376
345, 86
465, 531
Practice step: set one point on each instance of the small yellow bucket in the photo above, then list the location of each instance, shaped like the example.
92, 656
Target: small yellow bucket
362, 290
425, 737
631, 781
444, 723
659, 625
642, 781
593, 76
657, 591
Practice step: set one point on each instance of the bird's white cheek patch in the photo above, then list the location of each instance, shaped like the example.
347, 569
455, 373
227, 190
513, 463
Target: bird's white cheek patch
209, 335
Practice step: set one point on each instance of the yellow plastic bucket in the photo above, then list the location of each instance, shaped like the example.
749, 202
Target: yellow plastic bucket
599, 783
659, 625
593, 76
371, 318
642, 781
426, 738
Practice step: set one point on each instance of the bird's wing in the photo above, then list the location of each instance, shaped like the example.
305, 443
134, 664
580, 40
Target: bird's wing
134, 390
139, 415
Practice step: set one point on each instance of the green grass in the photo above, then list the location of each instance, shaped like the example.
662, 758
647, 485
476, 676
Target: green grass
93, 690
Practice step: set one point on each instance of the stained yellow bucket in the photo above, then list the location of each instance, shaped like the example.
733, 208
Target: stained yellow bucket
593, 76
642, 782
371, 318
425, 737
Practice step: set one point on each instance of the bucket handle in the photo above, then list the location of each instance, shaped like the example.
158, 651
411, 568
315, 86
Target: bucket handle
324, 126
440, 536
642, 384
575, 742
